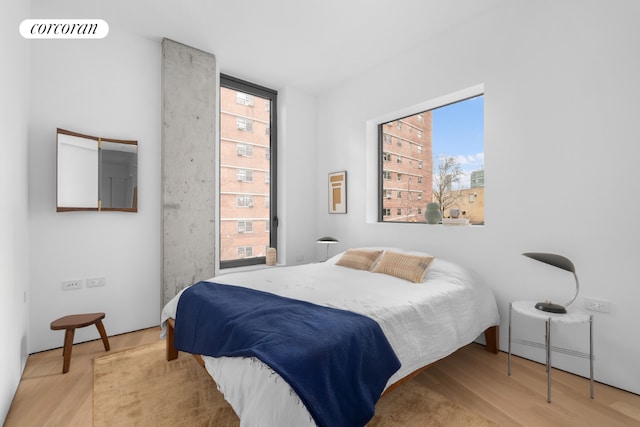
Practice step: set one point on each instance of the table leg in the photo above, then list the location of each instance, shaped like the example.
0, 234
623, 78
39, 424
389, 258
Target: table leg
103, 335
591, 354
66, 351
509, 352
548, 349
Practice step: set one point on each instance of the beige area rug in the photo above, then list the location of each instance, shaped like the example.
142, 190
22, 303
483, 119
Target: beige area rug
138, 387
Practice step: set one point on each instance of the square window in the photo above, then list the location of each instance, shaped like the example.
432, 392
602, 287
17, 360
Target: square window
244, 99
450, 168
244, 201
244, 150
245, 125
244, 175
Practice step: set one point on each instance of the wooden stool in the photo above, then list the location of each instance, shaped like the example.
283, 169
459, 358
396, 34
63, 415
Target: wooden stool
69, 324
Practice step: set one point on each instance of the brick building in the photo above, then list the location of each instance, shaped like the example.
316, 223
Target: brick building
407, 168
244, 175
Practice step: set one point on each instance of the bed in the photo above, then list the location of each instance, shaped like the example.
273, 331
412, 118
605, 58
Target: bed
424, 319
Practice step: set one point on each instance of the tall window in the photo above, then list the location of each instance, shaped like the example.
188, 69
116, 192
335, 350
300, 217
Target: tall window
245, 111
444, 149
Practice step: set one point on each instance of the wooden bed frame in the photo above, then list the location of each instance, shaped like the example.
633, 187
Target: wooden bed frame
490, 335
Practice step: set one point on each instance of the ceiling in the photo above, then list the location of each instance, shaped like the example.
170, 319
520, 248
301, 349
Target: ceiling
311, 45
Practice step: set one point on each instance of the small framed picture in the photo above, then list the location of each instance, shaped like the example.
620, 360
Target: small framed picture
338, 192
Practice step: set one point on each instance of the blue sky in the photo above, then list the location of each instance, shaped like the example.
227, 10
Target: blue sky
458, 131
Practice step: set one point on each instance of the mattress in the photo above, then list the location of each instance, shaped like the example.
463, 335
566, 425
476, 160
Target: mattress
423, 322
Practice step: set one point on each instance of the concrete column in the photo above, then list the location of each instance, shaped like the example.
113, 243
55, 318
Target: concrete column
189, 115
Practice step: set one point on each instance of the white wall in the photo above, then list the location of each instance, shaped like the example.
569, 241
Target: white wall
111, 88
14, 230
297, 211
561, 114
108, 88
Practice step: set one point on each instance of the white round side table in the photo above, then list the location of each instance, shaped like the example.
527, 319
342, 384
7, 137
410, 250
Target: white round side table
528, 309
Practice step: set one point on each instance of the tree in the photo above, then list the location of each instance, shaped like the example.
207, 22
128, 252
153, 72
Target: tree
410, 202
449, 173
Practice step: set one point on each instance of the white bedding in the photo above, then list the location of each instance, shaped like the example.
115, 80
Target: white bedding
423, 322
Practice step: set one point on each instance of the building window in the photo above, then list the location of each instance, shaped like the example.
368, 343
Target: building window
240, 135
387, 138
244, 150
386, 157
448, 148
244, 99
386, 175
243, 124
244, 175
386, 212
245, 251
245, 226
399, 211
244, 201
387, 194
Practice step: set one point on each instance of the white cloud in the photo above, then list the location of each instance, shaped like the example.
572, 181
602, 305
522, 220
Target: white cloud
475, 161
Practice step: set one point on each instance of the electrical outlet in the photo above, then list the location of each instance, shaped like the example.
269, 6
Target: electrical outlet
72, 285
94, 282
597, 305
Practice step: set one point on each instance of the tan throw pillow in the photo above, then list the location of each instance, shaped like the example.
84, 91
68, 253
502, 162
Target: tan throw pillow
359, 259
409, 267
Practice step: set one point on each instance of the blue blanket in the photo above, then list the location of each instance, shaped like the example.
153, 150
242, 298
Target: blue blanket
338, 362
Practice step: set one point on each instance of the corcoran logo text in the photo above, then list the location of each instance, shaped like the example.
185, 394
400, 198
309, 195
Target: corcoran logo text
64, 29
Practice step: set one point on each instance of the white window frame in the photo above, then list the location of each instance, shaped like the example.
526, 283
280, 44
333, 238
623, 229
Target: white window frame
242, 251
245, 226
244, 175
244, 150
244, 200
244, 124
244, 99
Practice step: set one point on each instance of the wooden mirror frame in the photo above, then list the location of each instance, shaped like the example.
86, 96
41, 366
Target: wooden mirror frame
80, 170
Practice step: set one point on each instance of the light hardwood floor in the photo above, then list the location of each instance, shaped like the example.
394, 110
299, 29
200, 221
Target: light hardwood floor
471, 377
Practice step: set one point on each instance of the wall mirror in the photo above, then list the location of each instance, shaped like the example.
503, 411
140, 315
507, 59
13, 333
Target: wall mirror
96, 174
